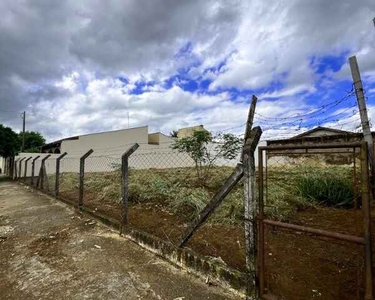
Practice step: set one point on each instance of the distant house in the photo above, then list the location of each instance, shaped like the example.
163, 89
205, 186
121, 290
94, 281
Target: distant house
319, 135
116, 141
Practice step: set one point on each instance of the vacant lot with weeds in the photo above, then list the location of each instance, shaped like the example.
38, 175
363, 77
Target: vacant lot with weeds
178, 192
164, 201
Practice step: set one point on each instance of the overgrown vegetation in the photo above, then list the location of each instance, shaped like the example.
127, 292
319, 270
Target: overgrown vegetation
331, 187
289, 190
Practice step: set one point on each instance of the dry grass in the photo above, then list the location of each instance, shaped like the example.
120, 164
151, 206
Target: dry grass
178, 191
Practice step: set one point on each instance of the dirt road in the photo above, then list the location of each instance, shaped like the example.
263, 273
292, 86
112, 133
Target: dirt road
48, 251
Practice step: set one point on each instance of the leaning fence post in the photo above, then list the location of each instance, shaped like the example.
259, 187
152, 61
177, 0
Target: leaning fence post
33, 169
41, 172
25, 171
57, 182
82, 176
125, 185
20, 165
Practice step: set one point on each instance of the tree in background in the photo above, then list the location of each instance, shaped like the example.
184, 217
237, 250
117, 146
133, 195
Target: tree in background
206, 149
33, 140
174, 133
9, 143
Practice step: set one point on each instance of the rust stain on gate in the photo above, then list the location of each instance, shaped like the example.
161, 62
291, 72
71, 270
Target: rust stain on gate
364, 240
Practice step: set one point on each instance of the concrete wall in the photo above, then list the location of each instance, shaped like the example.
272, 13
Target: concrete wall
153, 138
109, 147
188, 131
106, 140
2, 164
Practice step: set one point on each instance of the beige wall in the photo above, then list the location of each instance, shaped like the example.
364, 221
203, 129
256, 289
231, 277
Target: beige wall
153, 138
188, 131
108, 148
107, 140
2, 164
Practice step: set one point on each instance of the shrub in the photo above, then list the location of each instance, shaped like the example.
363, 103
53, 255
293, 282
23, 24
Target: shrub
332, 187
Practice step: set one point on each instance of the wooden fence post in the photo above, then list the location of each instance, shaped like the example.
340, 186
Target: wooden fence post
125, 185
220, 195
82, 176
25, 171
42, 173
57, 181
33, 169
250, 206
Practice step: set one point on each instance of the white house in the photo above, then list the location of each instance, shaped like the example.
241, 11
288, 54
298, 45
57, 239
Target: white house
154, 151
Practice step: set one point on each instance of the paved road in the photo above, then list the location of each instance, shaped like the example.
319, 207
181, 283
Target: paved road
48, 251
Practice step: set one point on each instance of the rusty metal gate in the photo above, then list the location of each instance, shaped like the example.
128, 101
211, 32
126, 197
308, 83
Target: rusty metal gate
307, 248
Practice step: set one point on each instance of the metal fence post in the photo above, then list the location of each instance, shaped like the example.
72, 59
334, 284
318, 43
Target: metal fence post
82, 176
14, 169
367, 221
11, 167
33, 169
57, 182
6, 166
260, 252
41, 172
125, 185
20, 165
25, 171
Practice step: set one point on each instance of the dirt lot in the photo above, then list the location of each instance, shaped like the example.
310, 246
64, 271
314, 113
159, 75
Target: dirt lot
47, 251
298, 266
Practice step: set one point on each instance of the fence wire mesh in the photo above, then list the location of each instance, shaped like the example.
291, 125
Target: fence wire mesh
48, 180
167, 191
319, 189
69, 178
102, 185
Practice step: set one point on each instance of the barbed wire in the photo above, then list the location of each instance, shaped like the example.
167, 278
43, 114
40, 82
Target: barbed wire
313, 111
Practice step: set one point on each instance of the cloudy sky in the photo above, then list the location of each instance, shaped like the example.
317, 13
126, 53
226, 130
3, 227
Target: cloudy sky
81, 66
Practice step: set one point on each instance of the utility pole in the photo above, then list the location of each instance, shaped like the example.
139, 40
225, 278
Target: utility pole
363, 111
23, 130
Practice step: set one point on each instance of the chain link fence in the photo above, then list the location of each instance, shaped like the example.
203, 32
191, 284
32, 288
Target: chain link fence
167, 190
102, 185
69, 179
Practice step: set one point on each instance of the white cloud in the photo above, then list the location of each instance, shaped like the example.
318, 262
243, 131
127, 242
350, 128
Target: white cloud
288, 91
59, 61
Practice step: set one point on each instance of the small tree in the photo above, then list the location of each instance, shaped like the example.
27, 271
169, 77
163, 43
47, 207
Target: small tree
205, 150
9, 144
174, 133
33, 141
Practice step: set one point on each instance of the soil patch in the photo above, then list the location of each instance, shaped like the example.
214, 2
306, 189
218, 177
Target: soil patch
298, 266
